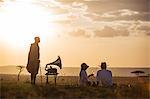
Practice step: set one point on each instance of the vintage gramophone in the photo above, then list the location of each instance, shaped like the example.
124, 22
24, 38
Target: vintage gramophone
51, 70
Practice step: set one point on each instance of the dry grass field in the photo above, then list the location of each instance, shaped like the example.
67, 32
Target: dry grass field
67, 88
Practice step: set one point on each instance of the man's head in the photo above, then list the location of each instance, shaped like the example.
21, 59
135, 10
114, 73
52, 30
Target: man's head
103, 65
37, 39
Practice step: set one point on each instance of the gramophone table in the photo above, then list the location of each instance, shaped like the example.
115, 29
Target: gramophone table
55, 77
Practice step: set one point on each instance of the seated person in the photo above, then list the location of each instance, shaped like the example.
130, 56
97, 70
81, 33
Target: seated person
84, 81
104, 77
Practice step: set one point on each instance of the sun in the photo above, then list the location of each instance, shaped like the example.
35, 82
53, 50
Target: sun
21, 21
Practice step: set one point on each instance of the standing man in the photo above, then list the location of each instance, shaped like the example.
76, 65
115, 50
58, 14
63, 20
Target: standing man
104, 77
33, 59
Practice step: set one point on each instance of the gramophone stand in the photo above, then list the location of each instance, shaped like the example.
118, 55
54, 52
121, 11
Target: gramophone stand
55, 77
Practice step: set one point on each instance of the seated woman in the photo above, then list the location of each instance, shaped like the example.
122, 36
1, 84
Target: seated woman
84, 81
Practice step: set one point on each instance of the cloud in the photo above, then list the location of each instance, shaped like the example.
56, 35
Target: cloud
79, 33
118, 9
119, 13
3, 2
94, 0
110, 32
144, 29
106, 29
62, 22
72, 11
106, 32
86, 18
126, 14
83, 12
57, 11
78, 8
122, 14
148, 34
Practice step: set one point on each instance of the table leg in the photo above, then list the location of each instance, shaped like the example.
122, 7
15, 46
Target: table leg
46, 79
55, 77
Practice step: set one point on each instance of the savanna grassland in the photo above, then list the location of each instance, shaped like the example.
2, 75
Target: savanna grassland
67, 88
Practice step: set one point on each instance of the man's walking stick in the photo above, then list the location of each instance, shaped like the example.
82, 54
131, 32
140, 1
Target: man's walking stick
41, 74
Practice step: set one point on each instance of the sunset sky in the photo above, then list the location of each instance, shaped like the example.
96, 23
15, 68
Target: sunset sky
91, 31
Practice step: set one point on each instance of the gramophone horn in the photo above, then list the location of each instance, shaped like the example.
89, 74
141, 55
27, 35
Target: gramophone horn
57, 62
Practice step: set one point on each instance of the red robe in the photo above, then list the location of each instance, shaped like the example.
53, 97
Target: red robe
33, 59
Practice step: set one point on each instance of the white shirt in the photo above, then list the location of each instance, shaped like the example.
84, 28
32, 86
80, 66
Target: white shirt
83, 78
104, 77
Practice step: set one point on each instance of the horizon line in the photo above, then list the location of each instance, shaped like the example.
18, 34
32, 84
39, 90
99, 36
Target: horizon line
89, 66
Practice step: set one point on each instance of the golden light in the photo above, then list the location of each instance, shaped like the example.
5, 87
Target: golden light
21, 21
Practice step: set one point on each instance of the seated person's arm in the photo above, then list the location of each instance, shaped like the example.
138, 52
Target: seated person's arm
98, 78
90, 75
